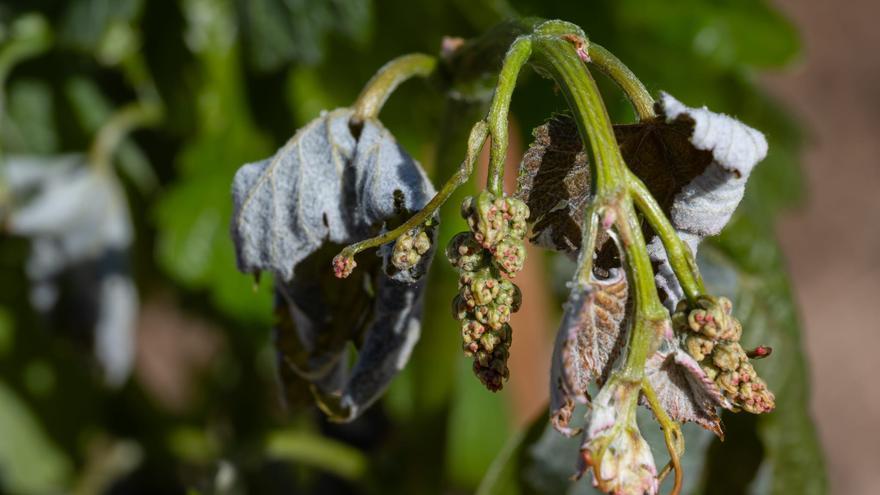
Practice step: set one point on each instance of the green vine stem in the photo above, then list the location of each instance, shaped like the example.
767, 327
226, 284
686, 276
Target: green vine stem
681, 259
556, 56
516, 57
392, 74
477, 137
611, 66
374, 95
671, 434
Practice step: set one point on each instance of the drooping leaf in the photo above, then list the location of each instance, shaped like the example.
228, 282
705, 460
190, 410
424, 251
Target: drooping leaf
694, 162
589, 339
704, 206
77, 220
683, 389
329, 186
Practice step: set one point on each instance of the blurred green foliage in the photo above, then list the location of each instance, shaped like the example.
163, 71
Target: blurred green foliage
235, 79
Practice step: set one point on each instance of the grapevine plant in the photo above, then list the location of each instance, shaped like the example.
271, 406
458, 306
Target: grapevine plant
630, 203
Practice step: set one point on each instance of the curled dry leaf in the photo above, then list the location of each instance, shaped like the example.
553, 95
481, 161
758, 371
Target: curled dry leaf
683, 388
77, 220
329, 186
588, 342
723, 151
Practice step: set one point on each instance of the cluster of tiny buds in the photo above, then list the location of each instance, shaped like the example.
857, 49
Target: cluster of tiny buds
409, 248
486, 299
712, 337
343, 265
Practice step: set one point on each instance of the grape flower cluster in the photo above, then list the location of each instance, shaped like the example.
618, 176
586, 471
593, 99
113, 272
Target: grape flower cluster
712, 337
492, 250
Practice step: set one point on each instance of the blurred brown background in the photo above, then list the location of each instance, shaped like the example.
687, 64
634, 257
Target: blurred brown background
833, 240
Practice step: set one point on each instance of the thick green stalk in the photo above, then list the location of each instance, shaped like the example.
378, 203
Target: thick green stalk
516, 57
555, 55
680, 257
557, 58
611, 66
650, 317
387, 79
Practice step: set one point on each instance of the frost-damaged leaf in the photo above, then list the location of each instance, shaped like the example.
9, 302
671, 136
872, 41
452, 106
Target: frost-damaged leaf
706, 204
683, 389
587, 343
77, 220
694, 162
328, 187
726, 151
554, 181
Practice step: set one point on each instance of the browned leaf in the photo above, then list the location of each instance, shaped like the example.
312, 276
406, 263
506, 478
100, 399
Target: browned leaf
587, 344
684, 390
659, 153
554, 181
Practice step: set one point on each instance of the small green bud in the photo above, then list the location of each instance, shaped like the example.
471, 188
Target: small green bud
698, 346
465, 253
484, 288
409, 248
510, 255
728, 356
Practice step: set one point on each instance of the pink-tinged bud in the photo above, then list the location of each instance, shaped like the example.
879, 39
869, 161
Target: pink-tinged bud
580, 45
614, 449
760, 352
343, 266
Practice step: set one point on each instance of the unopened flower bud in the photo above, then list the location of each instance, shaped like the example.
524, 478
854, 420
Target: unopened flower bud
343, 266
728, 356
465, 253
510, 255
484, 288
699, 346
619, 456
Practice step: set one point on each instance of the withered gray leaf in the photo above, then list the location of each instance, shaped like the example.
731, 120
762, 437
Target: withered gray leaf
76, 218
683, 389
329, 186
705, 204
589, 339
